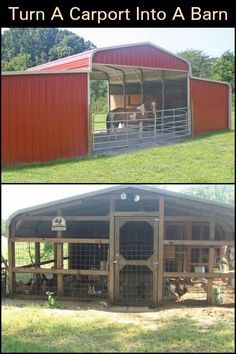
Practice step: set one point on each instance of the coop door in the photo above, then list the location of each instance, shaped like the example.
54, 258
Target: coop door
135, 261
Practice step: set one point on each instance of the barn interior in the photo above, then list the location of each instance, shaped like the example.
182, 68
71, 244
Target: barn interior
164, 94
87, 253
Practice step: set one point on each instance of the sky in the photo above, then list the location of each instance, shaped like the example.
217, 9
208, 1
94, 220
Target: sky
15, 197
212, 41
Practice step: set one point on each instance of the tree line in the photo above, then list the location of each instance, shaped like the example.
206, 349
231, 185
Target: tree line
26, 47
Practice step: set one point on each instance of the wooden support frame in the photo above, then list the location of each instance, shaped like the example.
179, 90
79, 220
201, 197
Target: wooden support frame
160, 252
37, 254
57, 240
211, 264
59, 261
198, 275
60, 271
11, 265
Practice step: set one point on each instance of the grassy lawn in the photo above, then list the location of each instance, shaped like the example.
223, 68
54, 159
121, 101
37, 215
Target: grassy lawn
36, 329
208, 158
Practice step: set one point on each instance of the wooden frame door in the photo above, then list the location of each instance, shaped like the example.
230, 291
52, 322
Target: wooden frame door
135, 260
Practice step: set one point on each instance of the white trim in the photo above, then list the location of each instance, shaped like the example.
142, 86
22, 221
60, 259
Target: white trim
113, 66
43, 72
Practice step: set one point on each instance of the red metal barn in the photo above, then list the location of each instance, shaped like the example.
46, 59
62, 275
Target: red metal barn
46, 112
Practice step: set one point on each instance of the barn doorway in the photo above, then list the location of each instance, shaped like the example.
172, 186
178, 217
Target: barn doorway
142, 107
135, 258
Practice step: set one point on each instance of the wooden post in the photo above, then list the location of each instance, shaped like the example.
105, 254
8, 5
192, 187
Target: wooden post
59, 252
211, 264
155, 258
160, 252
11, 264
111, 252
37, 254
189, 248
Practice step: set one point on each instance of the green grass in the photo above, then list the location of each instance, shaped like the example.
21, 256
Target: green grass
99, 120
36, 329
208, 158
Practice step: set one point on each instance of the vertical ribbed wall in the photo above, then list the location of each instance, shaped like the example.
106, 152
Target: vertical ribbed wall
44, 117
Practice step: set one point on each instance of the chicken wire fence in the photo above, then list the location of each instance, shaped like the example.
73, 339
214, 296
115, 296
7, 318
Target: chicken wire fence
135, 285
126, 129
88, 257
194, 290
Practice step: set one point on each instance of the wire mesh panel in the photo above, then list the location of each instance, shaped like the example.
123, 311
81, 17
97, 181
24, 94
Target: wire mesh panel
133, 261
86, 286
135, 285
88, 256
25, 254
194, 290
35, 283
136, 240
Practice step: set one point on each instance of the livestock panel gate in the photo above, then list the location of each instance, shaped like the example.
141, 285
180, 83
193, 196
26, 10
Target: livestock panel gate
128, 245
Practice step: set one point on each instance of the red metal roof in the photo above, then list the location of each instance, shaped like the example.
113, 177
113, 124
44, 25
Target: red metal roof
140, 55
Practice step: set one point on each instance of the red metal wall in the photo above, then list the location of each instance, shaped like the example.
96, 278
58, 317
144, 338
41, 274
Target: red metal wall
210, 105
145, 55
44, 117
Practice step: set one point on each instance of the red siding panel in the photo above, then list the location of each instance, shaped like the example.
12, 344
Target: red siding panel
210, 105
44, 117
142, 56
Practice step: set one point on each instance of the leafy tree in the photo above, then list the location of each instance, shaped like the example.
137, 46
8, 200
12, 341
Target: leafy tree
20, 62
221, 193
98, 89
3, 227
39, 45
201, 63
223, 68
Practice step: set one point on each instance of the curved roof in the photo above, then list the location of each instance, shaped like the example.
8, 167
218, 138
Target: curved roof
226, 209
144, 54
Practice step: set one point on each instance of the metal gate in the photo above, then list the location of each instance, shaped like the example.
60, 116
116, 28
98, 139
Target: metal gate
157, 127
135, 261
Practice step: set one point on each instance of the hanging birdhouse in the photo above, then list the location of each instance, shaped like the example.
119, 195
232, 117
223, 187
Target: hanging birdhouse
58, 224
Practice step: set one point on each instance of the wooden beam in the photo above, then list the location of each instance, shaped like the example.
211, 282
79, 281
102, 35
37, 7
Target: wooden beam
211, 264
56, 240
11, 265
60, 271
199, 243
37, 254
155, 261
188, 218
112, 256
160, 252
136, 214
67, 217
198, 275
59, 260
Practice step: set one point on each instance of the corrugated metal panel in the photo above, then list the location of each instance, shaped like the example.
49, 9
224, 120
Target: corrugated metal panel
76, 61
210, 105
44, 117
142, 56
